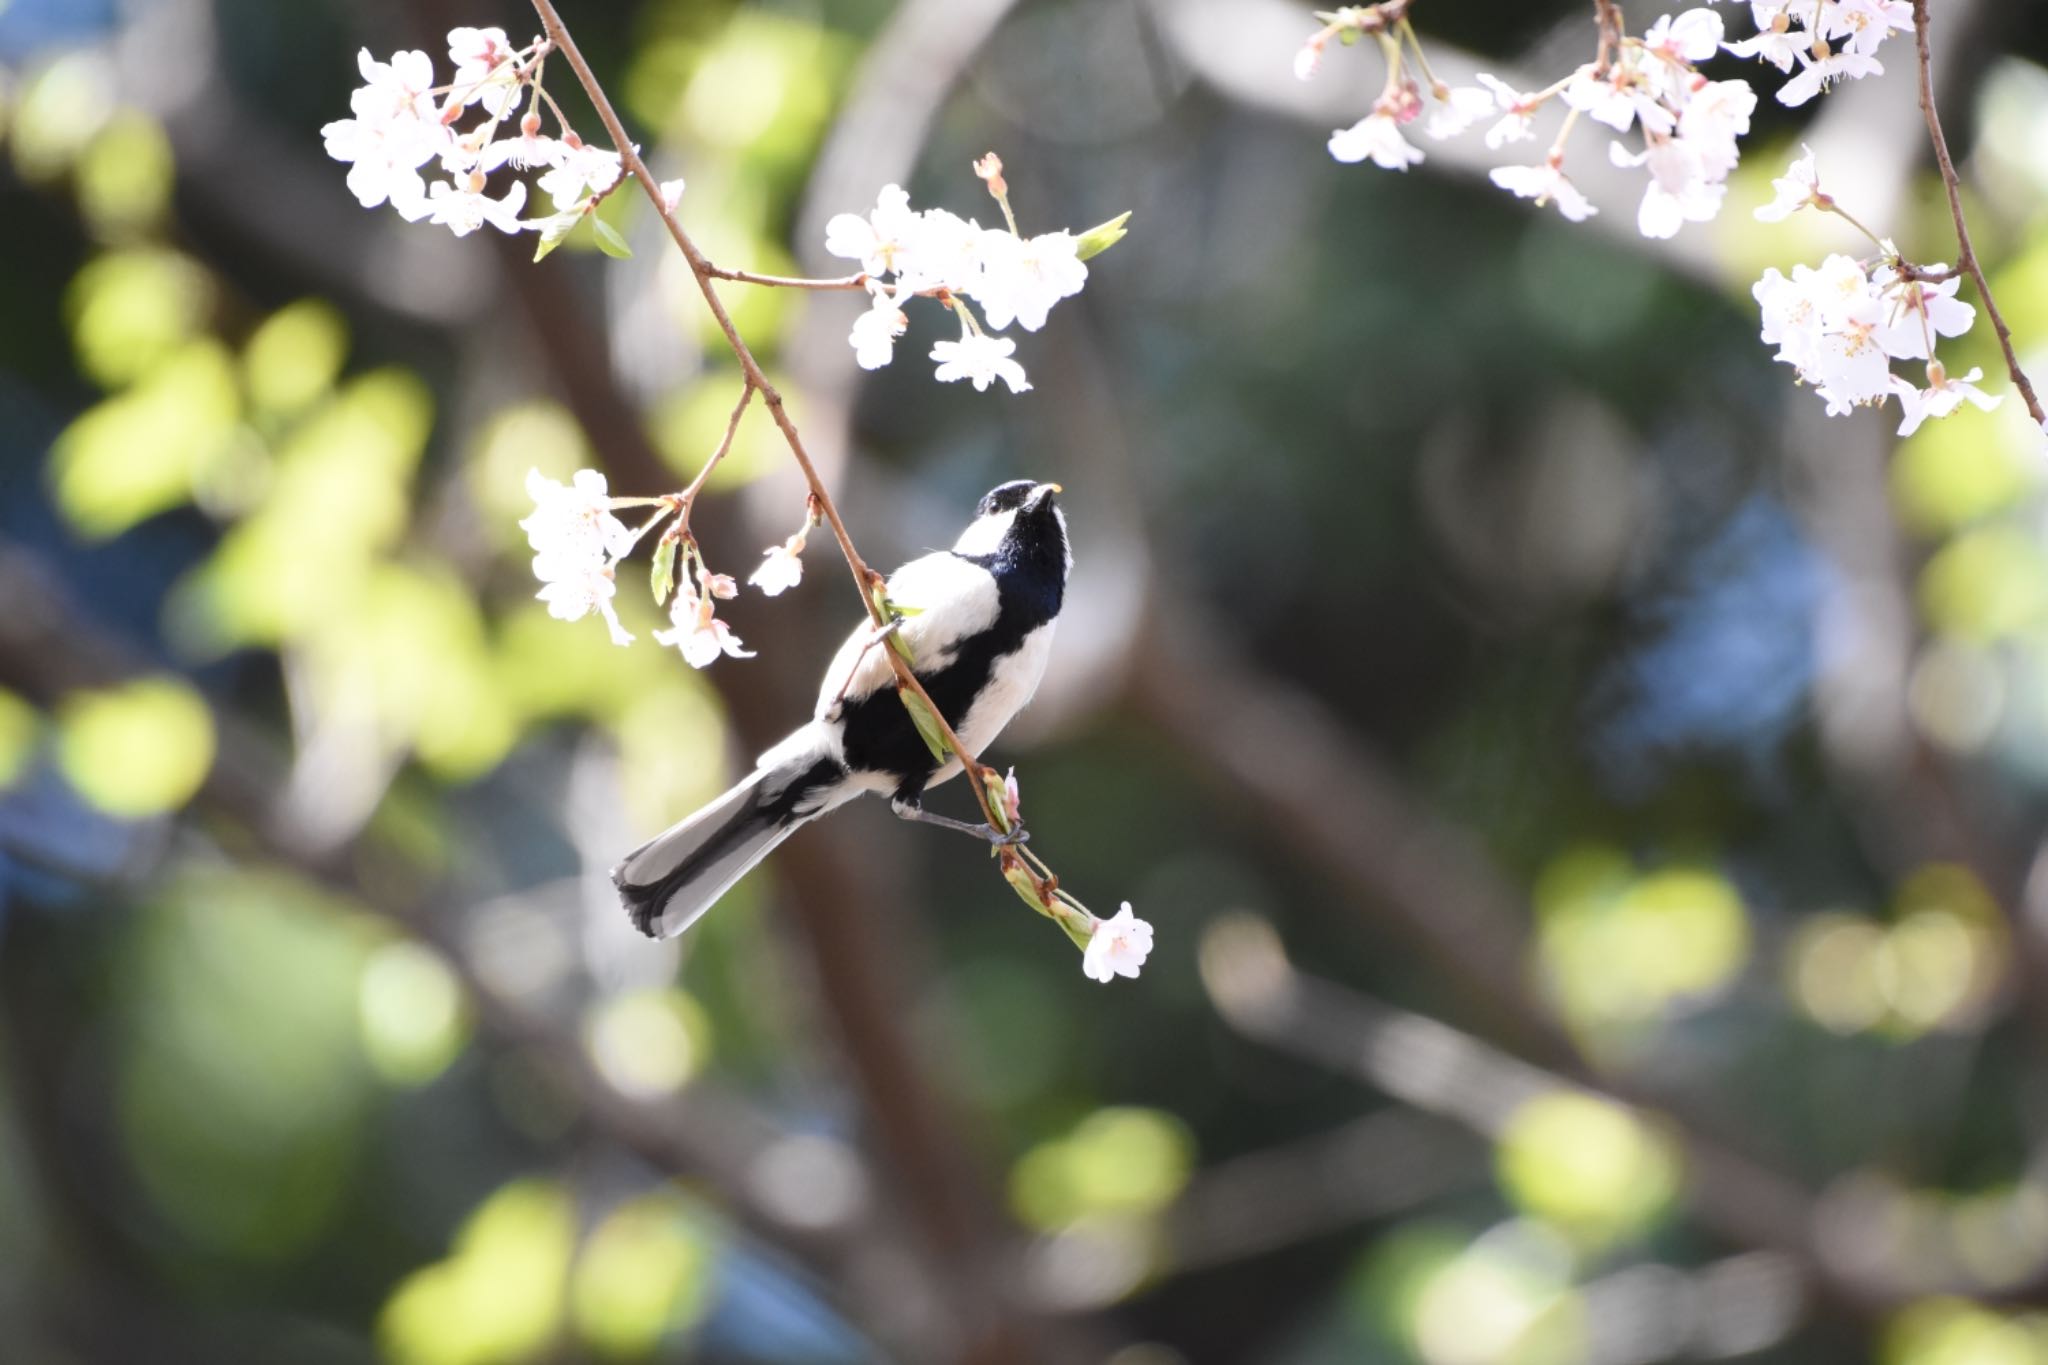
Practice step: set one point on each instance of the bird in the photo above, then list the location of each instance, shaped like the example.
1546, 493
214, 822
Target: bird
978, 620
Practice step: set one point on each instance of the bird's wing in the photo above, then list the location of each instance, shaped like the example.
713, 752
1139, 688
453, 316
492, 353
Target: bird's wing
944, 598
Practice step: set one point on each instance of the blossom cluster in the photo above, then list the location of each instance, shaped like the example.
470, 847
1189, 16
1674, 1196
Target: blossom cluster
578, 542
1826, 40
1843, 323
1689, 125
404, 123
905, 253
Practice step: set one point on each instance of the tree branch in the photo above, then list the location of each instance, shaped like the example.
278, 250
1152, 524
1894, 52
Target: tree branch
1967, 259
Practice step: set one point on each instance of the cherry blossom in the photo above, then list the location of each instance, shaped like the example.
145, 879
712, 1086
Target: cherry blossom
980, 358
1920, 311
1519, 125
1022, 279
580, 170
1458, 110
875, 331
1118, 947
465, 210
1796, 189
394, 133
1546, 184
699, 634
484, 70
1378, 138
1942, 396
783, 566
878, 239
576, 542
1817, 73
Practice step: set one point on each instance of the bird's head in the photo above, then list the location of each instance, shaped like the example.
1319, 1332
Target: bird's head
1018, 526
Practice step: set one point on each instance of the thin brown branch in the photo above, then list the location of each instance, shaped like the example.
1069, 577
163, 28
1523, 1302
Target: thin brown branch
732, 426
719, 272
865, 578
1967, 257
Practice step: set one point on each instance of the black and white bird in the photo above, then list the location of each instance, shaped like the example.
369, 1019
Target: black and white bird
978, 619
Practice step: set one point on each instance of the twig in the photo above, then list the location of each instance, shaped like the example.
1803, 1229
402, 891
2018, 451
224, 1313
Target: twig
1967, 259
865, 578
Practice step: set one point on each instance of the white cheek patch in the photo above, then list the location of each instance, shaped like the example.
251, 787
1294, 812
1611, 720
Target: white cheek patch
984, 536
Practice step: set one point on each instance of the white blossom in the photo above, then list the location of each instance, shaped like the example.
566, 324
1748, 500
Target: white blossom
1378, 138
1798, 187
1691, 37
874, 333
982, 359
1118, 947
1460, 108
576, 542
783, 566
699, 634
1918, 311
465, 210
1781, 47
395, 131
877, 240
1023, 278
580, 169
1546, 184
1519, 125
1680, 190
484, 70
1817, 73
1942, 396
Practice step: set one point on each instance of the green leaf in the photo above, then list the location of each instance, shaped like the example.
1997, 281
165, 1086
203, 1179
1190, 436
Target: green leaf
1102, 236
663, 576
890, 612
927, 724
609, 241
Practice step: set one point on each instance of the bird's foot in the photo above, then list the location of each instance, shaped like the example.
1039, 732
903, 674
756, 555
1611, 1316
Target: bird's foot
906, 810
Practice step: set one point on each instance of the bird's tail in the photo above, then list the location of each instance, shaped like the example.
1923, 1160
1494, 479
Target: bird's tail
680, 873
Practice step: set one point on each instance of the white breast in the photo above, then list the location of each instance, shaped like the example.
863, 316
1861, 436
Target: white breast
945, 600
1015, 679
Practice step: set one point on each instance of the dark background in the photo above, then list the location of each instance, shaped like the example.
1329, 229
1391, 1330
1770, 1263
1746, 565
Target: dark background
1588, 801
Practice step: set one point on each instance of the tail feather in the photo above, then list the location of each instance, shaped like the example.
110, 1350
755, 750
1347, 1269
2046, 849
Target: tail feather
673, 878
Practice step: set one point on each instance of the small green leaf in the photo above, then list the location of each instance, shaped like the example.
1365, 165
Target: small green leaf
1348, 36
609, 241
663, 575
927, 724
890, 612
554, 230
1102, 236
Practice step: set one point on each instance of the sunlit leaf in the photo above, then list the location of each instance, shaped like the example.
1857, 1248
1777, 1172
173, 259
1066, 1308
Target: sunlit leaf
609, 240
499, 1297
648, 1043
295, 357
644, 1273
921, 716
124, 177
1986, 584
128, 310
148, 450
412, 1012
61, 109
136, 750
1102, 236
1589, 1166
1122, 1160
662, 573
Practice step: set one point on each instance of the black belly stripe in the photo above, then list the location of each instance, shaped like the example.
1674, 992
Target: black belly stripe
879, 734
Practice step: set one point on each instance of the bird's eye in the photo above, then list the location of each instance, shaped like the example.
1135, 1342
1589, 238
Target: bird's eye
1005, 497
